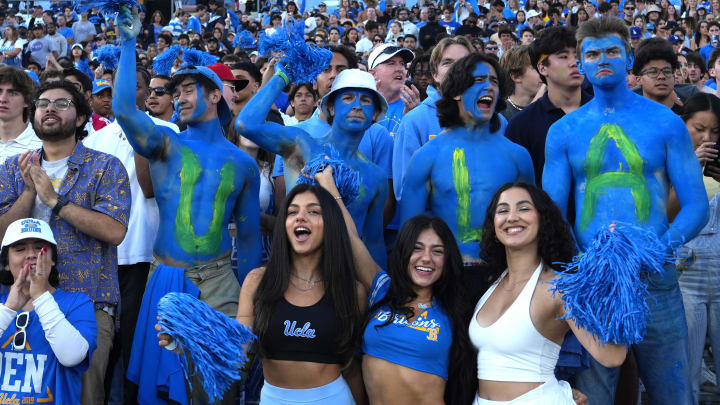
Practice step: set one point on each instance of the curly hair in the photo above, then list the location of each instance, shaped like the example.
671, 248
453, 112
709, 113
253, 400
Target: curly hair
449, 292
78, 99
555, 240
462, 76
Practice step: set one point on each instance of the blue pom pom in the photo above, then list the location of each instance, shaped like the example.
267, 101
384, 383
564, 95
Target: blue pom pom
197, 58
245, 39
163, 63
605, 289
347, 180
234, 19
215, 342
108, 56
301, 61
83, 66
107, 7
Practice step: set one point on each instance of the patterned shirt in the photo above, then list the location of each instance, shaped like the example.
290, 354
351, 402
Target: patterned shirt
95, 181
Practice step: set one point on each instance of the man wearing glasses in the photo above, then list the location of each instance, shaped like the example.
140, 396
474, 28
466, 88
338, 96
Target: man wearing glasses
85, 197
628, 12
654, 68
159, 103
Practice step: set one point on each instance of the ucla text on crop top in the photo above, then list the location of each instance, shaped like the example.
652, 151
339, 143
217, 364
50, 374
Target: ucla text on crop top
422, 345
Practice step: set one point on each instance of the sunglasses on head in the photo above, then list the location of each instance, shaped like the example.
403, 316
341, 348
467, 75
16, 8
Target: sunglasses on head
20, 337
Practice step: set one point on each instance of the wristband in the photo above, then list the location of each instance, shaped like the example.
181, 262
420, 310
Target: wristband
61, 202
172, 345
283, 76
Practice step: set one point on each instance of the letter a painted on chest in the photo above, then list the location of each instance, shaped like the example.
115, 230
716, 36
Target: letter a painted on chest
184, 228
598, 182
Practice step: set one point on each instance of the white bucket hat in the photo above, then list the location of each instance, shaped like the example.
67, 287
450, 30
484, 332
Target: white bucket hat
354, 79
27, 228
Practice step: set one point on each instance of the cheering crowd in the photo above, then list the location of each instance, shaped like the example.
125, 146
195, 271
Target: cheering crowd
389, 228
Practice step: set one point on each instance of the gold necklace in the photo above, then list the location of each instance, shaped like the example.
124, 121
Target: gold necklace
311, 283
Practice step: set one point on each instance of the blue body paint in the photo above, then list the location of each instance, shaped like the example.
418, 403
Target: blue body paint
200, 180
619, 165
297, 147
457, 173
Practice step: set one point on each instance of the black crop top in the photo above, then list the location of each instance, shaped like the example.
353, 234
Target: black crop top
302, 333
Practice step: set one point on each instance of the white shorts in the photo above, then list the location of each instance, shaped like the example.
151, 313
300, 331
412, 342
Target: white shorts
552, 392
335, 393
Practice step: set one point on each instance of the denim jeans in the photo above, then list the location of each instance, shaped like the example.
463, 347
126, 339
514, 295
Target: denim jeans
700, 286
662, 356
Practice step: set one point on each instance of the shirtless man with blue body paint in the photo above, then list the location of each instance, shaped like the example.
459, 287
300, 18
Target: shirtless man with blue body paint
619, 166
457, 174
350, 108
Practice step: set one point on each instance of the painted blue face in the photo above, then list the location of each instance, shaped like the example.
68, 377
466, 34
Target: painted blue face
354, 109
480, 99
182, 101
604, 60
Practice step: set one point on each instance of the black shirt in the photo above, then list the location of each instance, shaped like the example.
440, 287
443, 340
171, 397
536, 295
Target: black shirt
529, 128
429, 34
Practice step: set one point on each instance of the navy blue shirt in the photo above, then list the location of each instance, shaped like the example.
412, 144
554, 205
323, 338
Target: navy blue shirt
529, 128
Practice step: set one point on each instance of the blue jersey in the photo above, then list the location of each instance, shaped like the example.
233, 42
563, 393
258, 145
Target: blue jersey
423, 344
393, 116
34, 375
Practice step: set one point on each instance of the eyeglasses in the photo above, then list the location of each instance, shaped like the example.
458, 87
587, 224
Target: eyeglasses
60, 103
378, 41
20, 338
238, 85
491, 48
630, 8
655, 72
159, 91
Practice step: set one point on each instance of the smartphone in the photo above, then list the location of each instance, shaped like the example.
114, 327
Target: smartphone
713, 163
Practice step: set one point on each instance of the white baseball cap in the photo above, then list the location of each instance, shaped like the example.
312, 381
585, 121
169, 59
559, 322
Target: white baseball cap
532, 13
385, 52
354, 79
27, 228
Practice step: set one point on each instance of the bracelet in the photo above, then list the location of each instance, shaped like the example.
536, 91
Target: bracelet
283, 76
338, 197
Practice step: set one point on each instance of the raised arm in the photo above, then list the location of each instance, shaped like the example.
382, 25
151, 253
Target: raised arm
146, 138
247, 222
365, 267
557, 173
270, 136
416, 185
686, 177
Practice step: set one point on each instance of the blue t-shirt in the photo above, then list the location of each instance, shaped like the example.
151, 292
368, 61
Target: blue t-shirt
35, 371
422, 345
376, 145
706, 51
393, 116
67, 32
452, 24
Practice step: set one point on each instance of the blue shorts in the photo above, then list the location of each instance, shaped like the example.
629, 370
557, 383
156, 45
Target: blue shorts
335, 393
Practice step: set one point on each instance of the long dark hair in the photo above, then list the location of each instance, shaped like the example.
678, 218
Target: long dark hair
336, 265
555, 242
6, 277
449, 292
701, 102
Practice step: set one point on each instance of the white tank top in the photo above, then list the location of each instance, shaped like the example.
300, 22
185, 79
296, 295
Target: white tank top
511, 349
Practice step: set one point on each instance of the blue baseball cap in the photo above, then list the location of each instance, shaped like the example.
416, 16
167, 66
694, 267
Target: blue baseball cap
100, 85
635, 32
674, 39
224, 112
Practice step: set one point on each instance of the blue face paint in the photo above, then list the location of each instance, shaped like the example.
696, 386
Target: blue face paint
486, 84
354, 109
200, 105
604, 60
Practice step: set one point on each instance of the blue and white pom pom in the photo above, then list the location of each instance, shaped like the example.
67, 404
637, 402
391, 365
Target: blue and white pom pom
215, 342
302, 62
108, 56
347, 180
163, 63
604, 290
107, 7
197, 58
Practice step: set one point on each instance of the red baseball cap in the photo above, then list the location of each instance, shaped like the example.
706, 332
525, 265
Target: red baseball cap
223, 72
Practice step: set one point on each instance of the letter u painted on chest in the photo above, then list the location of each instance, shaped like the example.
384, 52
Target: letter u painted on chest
185, 234
304, 332
598, 182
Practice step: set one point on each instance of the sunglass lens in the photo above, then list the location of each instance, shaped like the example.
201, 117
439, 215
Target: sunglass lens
241, 84
22, 320
19, 341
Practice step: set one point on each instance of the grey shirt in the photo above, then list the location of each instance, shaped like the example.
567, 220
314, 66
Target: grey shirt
40, 48
82, 30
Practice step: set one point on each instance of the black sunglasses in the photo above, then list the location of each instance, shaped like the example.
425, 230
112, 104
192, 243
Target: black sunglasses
240, 84
159, 91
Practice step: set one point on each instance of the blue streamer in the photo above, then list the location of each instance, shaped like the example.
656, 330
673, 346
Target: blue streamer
347, 180
163, 63
107, 7
302, 62
108, 56
605, 289
197, 58
215, 342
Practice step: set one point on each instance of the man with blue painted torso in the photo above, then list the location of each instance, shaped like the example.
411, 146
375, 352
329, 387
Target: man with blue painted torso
457, 173
619, 168
351, 107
